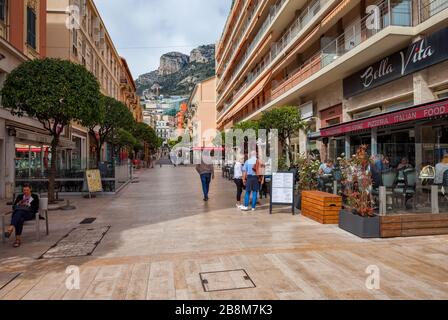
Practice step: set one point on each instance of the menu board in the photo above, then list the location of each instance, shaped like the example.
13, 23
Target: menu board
94, 183
283, 188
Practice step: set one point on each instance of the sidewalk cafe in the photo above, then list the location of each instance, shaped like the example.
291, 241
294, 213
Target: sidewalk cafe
410, 151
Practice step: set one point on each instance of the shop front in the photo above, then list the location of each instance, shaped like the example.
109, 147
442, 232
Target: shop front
399, 110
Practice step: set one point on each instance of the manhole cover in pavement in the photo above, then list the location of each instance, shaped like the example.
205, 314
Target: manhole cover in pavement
226, 280
7, 278
77, 243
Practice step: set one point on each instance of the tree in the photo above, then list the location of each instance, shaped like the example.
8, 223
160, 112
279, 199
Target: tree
147, 135
288, 121
123, 139
115, 116
55, 92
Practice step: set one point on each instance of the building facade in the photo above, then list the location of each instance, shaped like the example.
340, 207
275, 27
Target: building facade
24, 144
362, 72
76, 32
202, 112
298, 53
128, 92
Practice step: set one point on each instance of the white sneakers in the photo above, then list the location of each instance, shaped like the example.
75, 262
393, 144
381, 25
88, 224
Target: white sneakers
243, 208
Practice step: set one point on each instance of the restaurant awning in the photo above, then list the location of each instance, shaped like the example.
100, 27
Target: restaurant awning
420, 112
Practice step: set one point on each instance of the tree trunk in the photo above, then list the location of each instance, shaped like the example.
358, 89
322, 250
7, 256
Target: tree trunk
52, 172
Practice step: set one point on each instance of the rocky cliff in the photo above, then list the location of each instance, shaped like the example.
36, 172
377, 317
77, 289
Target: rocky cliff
172, 62
178, 73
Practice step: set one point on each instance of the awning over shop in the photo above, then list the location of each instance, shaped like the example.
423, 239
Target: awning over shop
425, 111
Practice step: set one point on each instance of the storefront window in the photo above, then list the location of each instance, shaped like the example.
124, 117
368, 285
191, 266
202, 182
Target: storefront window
357, 141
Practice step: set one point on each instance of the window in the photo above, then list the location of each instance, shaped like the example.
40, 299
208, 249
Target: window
31, 27
2, 10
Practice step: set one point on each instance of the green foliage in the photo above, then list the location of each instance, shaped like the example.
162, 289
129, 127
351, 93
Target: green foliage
116, 116
124, 139
53, 91
287, 120
145, 133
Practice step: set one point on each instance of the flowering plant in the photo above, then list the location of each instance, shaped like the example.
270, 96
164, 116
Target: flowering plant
308, 170
357, 182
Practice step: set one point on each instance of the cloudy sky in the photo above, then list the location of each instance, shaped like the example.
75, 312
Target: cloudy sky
143, 30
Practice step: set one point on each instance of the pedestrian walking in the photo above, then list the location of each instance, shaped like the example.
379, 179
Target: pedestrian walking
207, 174
251, 181
238, 179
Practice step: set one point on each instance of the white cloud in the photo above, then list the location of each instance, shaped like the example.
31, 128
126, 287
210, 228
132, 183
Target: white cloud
143, 30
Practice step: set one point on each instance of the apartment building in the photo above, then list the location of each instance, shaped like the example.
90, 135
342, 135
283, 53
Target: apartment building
341, 63
76, 32
24, 143
202, 109
128, 92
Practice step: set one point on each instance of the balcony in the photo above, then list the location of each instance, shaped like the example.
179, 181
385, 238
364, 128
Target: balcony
273, 14
239, 40
393, 13
297, 26
429, 8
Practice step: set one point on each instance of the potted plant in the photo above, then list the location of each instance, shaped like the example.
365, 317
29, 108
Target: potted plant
307, 170
357, 216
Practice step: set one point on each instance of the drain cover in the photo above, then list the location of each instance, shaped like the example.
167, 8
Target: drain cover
7, 278
226, 280
88, 221
77, 243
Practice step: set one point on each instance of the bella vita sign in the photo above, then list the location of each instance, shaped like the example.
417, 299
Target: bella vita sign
420, 55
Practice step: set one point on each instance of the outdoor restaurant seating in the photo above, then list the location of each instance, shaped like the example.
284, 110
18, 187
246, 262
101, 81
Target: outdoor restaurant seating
406, 188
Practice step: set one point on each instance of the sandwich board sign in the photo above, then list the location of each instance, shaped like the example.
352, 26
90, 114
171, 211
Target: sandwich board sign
282, 189
94, 183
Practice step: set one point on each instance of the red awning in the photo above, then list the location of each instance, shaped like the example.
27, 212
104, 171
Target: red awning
426, 111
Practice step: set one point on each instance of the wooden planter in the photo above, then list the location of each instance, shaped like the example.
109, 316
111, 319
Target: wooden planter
363, 227
321, 207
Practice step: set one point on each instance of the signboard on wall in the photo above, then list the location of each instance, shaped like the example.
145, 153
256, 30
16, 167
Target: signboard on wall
432, 110
420, 55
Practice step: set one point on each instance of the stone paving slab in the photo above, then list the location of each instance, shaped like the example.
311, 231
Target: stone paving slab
79, 242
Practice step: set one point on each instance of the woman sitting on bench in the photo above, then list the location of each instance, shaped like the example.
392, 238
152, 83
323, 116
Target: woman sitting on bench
25, 208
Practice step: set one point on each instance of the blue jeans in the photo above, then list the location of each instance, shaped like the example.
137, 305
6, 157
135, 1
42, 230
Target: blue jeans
18, 219
206, 178
252, 187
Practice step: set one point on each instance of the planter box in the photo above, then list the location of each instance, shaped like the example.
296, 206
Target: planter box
321, 207
362, 227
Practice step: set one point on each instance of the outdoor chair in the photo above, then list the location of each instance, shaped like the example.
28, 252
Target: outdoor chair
389, 181
408, 189
43, 212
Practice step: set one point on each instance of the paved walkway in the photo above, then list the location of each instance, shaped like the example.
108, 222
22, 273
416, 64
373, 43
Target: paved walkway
162, 236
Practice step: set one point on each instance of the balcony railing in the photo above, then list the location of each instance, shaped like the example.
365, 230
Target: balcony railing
295, 28
237, 42
429, 8
391, 12
273, 13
